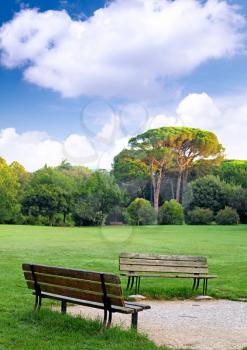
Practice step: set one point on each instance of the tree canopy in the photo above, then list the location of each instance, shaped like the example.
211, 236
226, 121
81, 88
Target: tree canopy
157, 151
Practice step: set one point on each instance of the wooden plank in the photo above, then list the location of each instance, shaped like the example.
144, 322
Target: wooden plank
170, 275
162, 257
155, 262
145, 268
73, 273
76, 293
74, 283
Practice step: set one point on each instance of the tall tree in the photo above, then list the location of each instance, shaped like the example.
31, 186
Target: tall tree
158, 151
151, 153
191, 145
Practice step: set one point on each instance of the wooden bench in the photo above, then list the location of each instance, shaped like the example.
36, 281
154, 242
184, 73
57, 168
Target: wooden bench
89, 288
164, 266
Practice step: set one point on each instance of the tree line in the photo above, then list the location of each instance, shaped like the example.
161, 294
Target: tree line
185, 165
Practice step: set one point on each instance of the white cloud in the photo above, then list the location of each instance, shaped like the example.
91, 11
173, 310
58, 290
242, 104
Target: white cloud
199, 110
228, 121
32, 149
125, 49
164, 120
35, 149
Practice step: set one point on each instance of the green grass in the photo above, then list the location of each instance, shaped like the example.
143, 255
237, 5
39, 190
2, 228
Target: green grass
98, 249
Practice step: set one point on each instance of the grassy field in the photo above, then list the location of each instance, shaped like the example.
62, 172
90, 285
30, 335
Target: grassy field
98, 249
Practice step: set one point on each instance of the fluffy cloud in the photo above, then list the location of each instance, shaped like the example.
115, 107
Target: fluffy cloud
227, 119
199, 110
35, 149
126, 49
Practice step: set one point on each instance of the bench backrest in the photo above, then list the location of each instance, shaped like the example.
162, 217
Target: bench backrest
79, 284
135, 262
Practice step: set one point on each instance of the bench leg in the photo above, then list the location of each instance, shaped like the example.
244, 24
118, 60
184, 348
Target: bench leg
194, 284
107, 323
63, 307
136, 287
109, 319
134, 320
132, 282
105, 318
37, 304
205, 286
198, 283
139, 284
128, 284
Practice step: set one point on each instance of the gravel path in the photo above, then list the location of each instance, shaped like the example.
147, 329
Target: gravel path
201, 325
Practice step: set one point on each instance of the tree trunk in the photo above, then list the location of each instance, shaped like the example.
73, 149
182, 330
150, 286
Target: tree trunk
156, 201
184, 185
178, 191
156, 191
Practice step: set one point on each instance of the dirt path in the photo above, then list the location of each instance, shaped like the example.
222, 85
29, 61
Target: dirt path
201, 325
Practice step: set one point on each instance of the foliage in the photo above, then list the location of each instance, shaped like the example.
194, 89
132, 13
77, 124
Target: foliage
236, 197
227, 216
200, 216
85, 213
211, 192
233, 171
171, 213
99, 195
158, 151
207, 192
9, 189
140, 212
48, 193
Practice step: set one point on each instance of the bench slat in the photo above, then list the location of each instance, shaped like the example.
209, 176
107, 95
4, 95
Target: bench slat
156, 262
148, 268
74, 283
76, 293
73, 273
163, 257
168, 275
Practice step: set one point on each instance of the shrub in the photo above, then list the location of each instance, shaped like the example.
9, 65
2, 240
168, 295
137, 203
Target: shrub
207, 192
237, 199
200, 216
227, 216
140, 212
171, 213
86, 215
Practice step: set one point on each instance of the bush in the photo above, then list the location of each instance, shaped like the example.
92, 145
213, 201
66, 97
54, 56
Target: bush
86, 215
200, 216
227, 216
171, 213
140, 212
207, 192
237, 199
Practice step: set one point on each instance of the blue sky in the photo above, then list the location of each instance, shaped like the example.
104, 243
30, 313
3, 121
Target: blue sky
83, 103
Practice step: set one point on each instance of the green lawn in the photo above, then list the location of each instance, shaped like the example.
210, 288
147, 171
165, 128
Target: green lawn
98, 249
